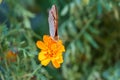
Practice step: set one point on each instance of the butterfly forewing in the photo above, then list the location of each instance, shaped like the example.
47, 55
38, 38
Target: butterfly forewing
53, 22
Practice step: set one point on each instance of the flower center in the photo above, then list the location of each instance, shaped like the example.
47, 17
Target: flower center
50, 53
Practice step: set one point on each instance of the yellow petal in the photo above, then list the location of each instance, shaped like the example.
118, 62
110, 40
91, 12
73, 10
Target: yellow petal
55, 63
42, 56
60, 59
61, 46
60, 51
54, 46
40, 45
45, 62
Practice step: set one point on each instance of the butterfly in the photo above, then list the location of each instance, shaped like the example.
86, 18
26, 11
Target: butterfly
53, 22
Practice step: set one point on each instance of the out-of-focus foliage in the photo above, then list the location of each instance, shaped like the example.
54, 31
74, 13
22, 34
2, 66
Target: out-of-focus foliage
90, 30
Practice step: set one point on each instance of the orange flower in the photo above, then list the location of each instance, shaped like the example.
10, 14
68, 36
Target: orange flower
11, 56
51, 50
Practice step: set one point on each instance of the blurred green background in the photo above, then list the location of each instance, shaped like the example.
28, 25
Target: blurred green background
89, 29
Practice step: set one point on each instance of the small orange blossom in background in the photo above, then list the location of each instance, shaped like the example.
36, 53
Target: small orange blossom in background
11, 56
51, 50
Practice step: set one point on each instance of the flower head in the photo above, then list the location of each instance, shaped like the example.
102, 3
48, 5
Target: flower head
11, 56
51, 50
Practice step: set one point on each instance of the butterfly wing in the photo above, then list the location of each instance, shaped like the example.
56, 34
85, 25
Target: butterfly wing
53, 22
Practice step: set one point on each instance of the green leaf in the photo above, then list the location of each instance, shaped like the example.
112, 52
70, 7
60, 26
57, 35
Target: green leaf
71, 28
89, 38
93, 30
64, 11
80, 46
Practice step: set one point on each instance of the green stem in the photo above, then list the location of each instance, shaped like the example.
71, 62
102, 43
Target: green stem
39, 66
